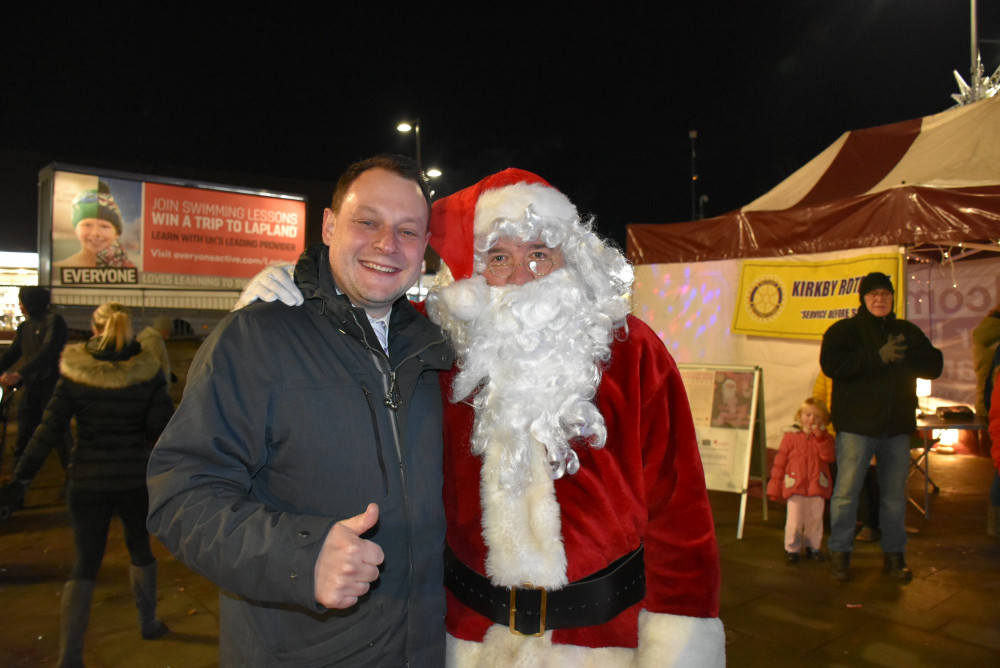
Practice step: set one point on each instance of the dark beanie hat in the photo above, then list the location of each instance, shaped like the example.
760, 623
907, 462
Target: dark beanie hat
874, 281
35, 300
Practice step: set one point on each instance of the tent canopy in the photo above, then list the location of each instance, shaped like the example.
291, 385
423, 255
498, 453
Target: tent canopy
932, 181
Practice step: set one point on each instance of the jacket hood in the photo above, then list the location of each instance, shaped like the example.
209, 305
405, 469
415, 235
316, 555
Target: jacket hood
84, 363
313, 276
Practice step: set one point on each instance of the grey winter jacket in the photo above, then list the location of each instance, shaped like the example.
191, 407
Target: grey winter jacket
869, 397
292, 420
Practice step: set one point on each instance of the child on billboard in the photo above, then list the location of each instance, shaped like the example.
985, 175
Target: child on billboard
97, 222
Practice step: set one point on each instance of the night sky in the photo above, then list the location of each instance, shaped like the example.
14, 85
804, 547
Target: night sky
599, 101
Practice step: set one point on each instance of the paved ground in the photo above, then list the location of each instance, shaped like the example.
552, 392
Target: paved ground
775, 614
36, 552
782, 615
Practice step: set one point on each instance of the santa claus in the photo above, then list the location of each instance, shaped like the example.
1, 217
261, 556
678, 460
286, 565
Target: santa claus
579, 530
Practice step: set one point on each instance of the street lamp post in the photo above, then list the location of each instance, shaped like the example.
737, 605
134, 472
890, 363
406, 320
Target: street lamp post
693, 136
406, 126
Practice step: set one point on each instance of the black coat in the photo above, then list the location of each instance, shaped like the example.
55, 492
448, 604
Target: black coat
870, 397
34, 352
121, 405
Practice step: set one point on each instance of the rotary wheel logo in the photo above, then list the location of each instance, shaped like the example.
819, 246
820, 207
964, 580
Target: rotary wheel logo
766, 298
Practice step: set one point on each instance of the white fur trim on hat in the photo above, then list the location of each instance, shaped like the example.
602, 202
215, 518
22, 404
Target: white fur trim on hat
512, 201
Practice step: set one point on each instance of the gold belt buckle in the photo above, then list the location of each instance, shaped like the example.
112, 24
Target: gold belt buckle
513, 610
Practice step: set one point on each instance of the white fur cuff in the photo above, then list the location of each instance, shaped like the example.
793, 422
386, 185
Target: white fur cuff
669, 641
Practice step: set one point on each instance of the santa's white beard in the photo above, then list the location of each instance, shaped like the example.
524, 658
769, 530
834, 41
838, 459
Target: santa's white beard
534, 353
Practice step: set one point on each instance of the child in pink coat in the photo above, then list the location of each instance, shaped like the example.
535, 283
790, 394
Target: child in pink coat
801, 474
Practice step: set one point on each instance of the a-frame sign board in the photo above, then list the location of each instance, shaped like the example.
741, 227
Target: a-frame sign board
727, 404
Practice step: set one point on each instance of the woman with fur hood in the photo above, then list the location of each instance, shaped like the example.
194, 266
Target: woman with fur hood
118, 394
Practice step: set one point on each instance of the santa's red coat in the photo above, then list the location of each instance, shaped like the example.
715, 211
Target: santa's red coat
645, 486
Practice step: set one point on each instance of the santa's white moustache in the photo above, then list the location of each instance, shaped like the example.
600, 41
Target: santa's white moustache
534, 353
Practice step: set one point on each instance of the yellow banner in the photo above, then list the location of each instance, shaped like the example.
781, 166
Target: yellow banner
800, 299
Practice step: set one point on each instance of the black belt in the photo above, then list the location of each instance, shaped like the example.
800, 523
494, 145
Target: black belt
529, 610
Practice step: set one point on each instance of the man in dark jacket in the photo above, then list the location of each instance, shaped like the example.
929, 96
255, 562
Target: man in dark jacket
302, 470
874, 360
32, 364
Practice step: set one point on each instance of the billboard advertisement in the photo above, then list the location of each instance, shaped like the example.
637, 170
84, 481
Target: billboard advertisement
119, 230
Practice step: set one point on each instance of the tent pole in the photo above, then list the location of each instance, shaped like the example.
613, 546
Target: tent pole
974, 40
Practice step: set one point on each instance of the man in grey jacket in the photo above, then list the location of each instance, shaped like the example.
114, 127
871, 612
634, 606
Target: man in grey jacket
302, 470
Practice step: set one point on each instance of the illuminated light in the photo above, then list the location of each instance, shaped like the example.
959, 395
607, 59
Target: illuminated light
923, 387
947, 437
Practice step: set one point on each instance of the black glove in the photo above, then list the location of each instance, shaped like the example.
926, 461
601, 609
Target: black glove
894, 349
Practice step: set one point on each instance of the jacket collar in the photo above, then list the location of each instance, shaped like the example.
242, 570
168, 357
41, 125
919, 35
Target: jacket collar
315, 280
108, 370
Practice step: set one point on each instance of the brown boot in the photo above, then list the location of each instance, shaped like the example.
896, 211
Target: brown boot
895, 565
840, 565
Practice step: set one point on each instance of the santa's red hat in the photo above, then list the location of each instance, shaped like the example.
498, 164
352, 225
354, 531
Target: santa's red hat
458, 219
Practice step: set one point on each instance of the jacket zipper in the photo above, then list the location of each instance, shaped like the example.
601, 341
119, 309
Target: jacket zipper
392, 402
378, 440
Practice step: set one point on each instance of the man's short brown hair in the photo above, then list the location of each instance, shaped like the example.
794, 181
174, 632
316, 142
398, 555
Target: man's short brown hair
397, 164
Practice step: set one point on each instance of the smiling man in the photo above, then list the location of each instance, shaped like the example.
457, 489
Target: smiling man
302, 470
